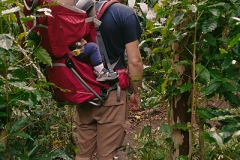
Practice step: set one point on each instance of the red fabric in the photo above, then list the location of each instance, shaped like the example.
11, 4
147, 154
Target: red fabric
67, 27
123, 78
64, 28
68, 88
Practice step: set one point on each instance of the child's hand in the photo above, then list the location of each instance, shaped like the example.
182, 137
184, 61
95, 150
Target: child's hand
83, 42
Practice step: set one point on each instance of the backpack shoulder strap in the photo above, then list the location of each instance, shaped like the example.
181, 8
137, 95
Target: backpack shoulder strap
102, 5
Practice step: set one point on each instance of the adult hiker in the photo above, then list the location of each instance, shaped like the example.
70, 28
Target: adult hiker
102, 129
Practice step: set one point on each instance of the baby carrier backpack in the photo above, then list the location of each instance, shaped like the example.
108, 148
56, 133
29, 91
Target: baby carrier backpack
74, 81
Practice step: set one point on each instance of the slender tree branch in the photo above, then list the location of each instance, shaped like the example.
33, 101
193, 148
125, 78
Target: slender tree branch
193, 102
40, 75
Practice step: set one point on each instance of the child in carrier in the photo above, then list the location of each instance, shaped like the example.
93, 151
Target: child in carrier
85, 50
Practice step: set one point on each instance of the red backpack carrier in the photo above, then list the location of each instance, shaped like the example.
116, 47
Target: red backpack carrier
74, 81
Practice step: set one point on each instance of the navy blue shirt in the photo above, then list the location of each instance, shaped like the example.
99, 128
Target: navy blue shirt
119, 26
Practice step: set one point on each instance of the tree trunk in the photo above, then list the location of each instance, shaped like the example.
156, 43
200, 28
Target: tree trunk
3, 138
180, 104
179, 113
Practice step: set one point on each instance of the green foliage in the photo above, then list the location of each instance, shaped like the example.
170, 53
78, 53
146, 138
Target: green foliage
36, 129
216, 45
150, 144
43, 56
31, 124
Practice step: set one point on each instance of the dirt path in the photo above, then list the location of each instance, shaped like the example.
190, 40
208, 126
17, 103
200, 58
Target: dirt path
138, 120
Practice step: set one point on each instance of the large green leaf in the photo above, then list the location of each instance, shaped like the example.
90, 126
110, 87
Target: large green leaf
6, 41
234, 41
215, 73
12, 10
166, 63
217, 138
19, 124
185, 87
165, 129
34, 148
215, 12
202, 72
43, 56
225, 135
223, 51
26, 103
3, 114
178, 18
22, 135
22, 85
233, 99
1, 146
181, 125
192, 7
210, 39
217, 5
18, 84
205, 113
183, 62
145, 131
229, 86
209, 26
212, 87
227, 62
207, 137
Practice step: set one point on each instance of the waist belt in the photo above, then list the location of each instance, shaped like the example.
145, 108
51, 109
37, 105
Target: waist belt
115, 87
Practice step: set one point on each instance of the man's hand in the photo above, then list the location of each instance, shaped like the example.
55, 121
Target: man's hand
134, 102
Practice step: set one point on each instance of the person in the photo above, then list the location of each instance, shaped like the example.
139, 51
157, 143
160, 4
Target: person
89, 50
102, 129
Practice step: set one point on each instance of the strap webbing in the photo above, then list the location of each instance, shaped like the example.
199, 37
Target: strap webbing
103, 51
99, 5
116, 87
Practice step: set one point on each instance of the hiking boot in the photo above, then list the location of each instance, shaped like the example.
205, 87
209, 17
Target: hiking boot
105, 75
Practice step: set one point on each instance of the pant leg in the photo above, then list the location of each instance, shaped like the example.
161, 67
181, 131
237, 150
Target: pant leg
91, 52
86, 132
107, 132
111, 126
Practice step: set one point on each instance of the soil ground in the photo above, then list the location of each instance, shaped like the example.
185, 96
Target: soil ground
141, 118
138, 120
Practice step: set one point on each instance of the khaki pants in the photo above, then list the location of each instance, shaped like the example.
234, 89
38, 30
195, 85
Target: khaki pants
102, 129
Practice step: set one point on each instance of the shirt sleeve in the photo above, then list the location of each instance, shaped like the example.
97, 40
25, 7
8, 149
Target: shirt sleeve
132, 29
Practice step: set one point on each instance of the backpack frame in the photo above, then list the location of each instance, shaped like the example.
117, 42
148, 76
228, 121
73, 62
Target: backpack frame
74, 80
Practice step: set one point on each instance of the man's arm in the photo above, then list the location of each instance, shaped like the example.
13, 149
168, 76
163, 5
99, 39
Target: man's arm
135, 67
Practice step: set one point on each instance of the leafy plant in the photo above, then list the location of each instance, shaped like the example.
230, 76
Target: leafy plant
207, 35
31, 124
150, 144
205, 32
